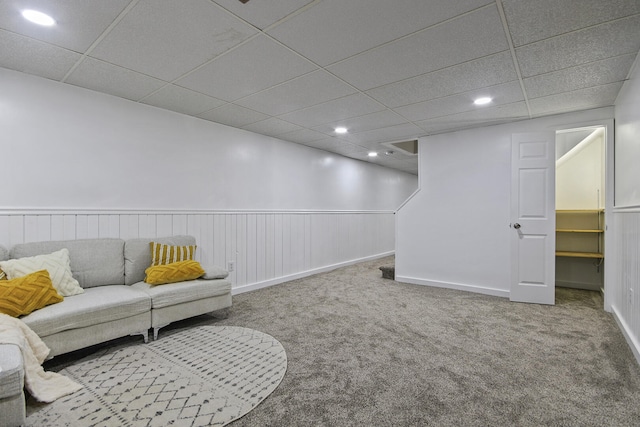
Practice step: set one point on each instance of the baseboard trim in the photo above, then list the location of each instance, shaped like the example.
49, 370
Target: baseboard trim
457, 286
272, 282
628, 336
578, 285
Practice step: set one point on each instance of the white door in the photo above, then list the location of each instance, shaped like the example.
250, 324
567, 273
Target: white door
533, 220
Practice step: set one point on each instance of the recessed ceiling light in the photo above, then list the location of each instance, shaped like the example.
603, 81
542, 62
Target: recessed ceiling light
38, 17
340, 130
483, 101
373, 154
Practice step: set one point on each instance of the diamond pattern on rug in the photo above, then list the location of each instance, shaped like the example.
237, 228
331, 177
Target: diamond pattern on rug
205, 376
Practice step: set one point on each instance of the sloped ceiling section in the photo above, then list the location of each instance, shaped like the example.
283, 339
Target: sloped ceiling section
387, 70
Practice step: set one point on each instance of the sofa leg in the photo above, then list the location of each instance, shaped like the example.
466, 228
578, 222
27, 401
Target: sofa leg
156, 330
144, 334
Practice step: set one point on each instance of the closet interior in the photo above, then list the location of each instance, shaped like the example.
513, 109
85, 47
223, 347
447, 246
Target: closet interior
580, 185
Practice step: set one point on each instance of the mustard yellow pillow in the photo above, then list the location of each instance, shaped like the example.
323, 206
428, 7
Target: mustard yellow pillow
162, 254
28, 293
174, 272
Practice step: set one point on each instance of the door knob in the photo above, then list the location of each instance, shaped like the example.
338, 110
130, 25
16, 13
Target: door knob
516, 226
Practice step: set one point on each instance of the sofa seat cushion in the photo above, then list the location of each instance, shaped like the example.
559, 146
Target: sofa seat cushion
96, 305
180, 292
11, 371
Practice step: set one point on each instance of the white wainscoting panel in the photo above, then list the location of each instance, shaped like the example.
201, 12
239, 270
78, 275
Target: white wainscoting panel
266, 247
625, 298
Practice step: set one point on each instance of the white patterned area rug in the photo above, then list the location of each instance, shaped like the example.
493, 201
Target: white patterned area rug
204, 376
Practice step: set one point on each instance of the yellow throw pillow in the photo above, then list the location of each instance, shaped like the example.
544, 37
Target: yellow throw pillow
25, 294
174, 272
162, 254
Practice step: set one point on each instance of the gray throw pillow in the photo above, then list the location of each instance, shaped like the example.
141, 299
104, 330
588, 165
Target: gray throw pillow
214, 272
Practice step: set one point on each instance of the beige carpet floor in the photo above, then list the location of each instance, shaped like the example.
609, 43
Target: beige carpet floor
368, 351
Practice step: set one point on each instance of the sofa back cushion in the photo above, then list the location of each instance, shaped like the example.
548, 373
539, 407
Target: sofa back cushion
94, 262
4, 253
137, 255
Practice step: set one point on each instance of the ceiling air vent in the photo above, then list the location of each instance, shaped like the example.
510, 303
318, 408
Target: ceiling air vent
406, 147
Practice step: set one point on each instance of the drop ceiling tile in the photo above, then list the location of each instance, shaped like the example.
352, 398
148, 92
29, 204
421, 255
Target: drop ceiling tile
348, 149
31, 56
391, 133
256, 65
165, 39
487, 71
78, 22
582, 76
502, 94
310, 89
263, 13
272, 127
437, 128
313, 144
592, 44
583, 99
468, 37
380, 119
233, 115
327, 144
480, 117
108, 78
333, 30
182, 100
302, 136
532, 21
364, 156
334, 110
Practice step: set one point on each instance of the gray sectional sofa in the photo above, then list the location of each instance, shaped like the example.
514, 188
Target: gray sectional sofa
116, 301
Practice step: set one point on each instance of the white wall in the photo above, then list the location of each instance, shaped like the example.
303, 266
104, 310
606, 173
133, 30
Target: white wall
80, 164
68, 147
455, 232
625, 298
628, 141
